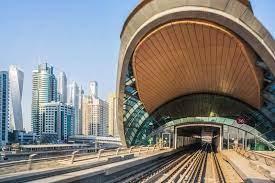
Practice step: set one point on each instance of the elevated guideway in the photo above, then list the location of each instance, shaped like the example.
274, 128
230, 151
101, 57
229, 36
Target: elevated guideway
36, 169
199, 161
195, 163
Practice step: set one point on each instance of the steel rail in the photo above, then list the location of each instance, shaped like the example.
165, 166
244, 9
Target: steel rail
218, 168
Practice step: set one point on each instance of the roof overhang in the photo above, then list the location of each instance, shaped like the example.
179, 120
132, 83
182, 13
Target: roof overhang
231, 14
193, 56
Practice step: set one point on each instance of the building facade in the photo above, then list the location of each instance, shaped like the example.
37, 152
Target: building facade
86, 115
4, 107
73, 99
62, 87
94, 116
16, 78
93, 88
99, 117
56, 121
187, 62
81, 105
112, 127
22, 137
44, 90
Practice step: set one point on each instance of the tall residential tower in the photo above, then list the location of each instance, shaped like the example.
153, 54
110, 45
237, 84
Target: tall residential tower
112, 127
62, 87
16, 78
73, 99
4, 106
80, 107
99, 117
44, 90
93, 88
56, 119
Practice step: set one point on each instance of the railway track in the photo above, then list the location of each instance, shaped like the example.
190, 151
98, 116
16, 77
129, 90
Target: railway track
199, 165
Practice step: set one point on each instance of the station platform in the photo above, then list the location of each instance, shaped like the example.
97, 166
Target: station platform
248, 169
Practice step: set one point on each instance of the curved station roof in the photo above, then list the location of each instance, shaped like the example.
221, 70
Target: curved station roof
195, 58
185, 57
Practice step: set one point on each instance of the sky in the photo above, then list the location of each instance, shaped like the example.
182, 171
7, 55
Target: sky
79, 37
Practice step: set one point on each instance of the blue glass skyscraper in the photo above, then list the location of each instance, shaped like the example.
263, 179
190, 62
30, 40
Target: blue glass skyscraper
4, 107
44, 90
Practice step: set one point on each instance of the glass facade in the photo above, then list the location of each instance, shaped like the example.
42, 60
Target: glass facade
234, 136
248, 126
16, 77
4, 107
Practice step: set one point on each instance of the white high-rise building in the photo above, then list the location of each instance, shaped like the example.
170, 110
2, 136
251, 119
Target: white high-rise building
81, 104
16, 78
113, 131
56, 120
73, 99
4, 106
44, 90
93, 88
94, 113
86, 115
62, 87
99, 117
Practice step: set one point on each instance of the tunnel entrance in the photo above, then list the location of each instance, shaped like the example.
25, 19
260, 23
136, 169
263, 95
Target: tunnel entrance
198, 133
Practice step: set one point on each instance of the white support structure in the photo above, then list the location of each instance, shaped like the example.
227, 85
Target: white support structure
31, 160
73, 156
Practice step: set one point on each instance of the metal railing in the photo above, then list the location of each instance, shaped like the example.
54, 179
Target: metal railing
256, 156
77, 156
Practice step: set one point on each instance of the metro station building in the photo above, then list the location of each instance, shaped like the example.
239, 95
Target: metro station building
190, 69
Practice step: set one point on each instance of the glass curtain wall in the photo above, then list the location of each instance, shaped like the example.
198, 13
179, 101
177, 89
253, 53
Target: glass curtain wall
233, 137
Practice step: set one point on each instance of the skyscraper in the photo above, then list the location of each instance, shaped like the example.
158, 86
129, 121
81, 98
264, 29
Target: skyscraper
73, 99
113, 131
93, 88
16, 78
81, 103
99, 117
86, 115
56, 121
62, 87
95, 113
44, 90
4, 105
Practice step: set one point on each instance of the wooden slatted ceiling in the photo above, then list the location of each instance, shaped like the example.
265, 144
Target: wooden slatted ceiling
191, 56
